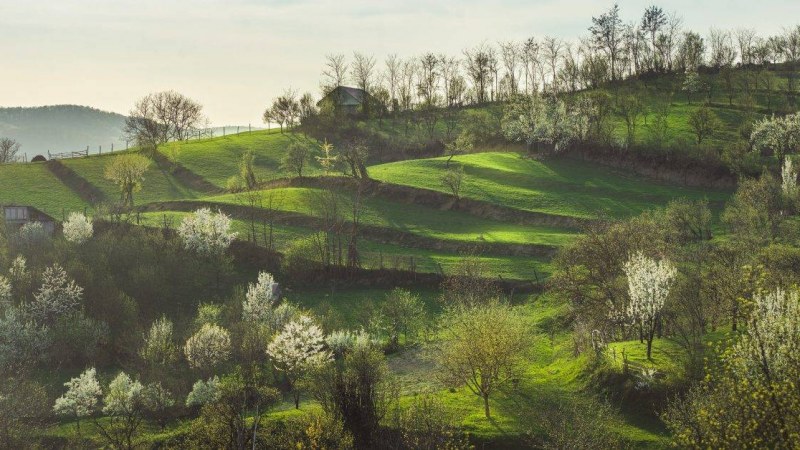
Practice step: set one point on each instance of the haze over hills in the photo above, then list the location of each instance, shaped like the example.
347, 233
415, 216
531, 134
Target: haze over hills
60, 128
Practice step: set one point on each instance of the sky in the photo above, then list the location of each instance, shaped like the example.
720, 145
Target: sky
235, 56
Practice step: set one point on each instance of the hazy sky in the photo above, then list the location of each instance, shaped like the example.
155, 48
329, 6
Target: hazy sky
234, 56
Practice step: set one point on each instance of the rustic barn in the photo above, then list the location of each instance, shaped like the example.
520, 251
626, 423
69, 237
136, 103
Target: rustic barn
18, 215
350, 99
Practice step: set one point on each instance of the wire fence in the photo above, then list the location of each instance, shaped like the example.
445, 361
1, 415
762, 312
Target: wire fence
206, 133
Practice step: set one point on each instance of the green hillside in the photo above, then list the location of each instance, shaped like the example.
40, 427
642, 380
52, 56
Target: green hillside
558, 187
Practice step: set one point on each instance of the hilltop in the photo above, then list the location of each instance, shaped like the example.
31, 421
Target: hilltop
61, 128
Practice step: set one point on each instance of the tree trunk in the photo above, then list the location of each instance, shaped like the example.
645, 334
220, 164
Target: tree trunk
486, 406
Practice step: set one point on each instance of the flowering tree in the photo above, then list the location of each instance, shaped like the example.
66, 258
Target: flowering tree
32, 233
203, 392
159, 343
751, 399
57, 296
81, 398
779, 135
127, 172
206, 233
649, 283
260, 299
535, 120
789, 178
23, 343
297, 349
78, 228
123, 407
5, 290
209, 347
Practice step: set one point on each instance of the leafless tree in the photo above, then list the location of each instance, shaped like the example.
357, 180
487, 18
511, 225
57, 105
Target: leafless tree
429, 73
334, 73
607, 35
408, 77
363, 75
745, 38
530, 58
160, 117
394, 73
8, 150
723, 53
477, 64
553, 48
494, 70
510, 53
451, 79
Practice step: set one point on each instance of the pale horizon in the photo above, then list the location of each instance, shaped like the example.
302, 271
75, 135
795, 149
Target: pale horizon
235, 57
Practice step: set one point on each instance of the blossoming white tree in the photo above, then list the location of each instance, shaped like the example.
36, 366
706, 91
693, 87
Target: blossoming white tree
123, 407
789, 178
206, 233
78, 228
203, 392
297, 349
769, 344
57, 296
649, 283
260, 299
81, 398
209, 347
5, 290
779, 135
159, 343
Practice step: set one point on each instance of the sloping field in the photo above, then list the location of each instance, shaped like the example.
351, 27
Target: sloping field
411, 218
218, 159
379, 255
559, 187
33, 184
158, 185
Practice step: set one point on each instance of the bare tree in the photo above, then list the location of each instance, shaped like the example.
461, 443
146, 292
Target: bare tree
451, 79
160, 117
8, 150
552, 50
607, 35
334, 73
530, 58
510, 53
394, 72
406, 90
653, 20
670, 39
428, 78
477, 64
363, 75
723, 53
285, 110
745, 38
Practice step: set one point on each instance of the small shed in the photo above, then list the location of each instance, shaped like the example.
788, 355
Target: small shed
18, 215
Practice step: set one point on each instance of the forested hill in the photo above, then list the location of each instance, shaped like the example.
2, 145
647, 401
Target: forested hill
61, 128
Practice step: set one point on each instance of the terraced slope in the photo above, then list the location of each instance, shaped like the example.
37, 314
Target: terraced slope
415, 219
218, 159
33, 184
558, 187
159, 184
382, 255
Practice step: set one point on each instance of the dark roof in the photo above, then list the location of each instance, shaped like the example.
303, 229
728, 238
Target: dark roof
346, 95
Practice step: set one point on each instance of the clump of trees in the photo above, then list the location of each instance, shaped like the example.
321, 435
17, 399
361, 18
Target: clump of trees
161, 117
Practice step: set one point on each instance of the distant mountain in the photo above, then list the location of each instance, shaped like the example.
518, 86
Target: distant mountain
60, 128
